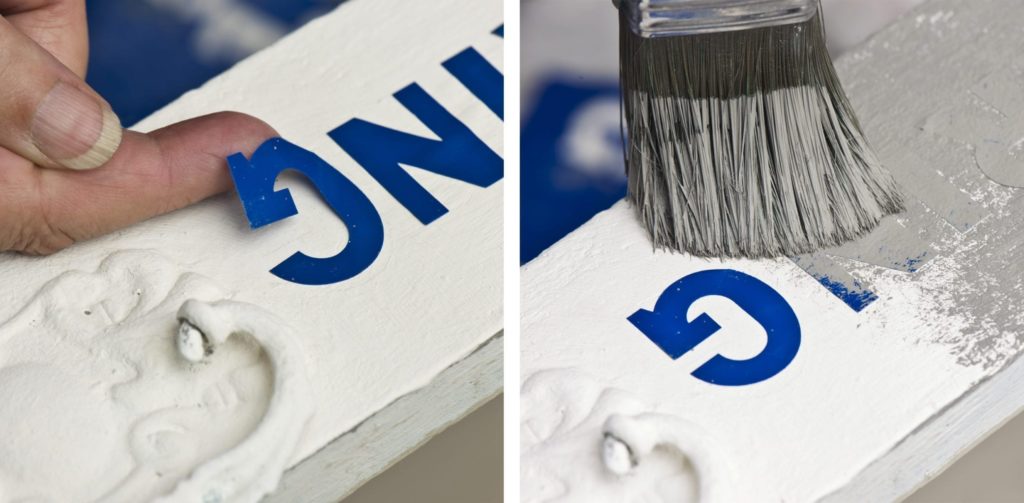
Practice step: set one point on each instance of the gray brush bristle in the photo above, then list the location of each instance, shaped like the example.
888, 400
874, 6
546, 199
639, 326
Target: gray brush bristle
743, 144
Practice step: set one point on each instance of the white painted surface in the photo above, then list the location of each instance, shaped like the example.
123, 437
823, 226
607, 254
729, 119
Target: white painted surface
564, 455
342, 466
580, 292
876, 402
430, 299
251, 469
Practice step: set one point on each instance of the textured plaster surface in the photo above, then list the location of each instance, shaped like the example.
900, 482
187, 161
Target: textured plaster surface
99, 405
561, 440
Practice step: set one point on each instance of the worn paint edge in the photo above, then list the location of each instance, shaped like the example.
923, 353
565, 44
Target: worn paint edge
384, 438
938, 442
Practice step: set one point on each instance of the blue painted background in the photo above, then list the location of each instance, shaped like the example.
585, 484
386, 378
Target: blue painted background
572, 165
146, 53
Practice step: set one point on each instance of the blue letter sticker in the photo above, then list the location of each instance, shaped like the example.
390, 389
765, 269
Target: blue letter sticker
480, 77
255, 178
668, 328
458, 154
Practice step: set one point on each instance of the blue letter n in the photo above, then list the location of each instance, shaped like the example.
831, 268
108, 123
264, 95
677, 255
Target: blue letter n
458, 154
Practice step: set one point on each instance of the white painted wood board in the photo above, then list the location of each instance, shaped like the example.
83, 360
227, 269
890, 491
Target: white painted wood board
875, 402
434, 295
340, 467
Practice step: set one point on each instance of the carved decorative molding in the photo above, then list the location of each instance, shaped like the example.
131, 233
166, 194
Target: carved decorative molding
583, 441
110, 401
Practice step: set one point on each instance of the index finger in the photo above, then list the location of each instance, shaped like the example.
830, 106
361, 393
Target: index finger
59, 26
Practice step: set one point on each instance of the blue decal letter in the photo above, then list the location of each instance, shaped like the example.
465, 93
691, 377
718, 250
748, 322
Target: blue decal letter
480, 77
254, 179
458, 154
667, 326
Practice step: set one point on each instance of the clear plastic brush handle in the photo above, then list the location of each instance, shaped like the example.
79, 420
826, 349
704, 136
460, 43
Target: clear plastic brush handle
670, 18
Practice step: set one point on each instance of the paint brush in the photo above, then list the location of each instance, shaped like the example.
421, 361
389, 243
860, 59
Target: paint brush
740, 141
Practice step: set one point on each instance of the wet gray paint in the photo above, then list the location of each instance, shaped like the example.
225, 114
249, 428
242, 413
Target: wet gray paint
943, 103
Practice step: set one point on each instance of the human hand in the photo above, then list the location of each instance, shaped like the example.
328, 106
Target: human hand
68, 171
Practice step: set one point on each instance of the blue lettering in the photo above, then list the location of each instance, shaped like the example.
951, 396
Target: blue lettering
480, 77
254, 179
669, 329
458, 154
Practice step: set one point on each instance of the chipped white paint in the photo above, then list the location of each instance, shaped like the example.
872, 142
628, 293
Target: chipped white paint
432, 297
876, 402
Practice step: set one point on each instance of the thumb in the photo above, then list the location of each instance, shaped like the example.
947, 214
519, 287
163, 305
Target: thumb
151, 174
50, 116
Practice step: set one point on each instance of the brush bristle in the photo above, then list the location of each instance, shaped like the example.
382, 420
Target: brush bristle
743, 144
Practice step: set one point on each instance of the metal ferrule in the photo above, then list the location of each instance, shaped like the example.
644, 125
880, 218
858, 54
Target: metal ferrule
671, 18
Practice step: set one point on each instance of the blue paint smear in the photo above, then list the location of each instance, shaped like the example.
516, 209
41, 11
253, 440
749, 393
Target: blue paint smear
858, 299
912, 264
